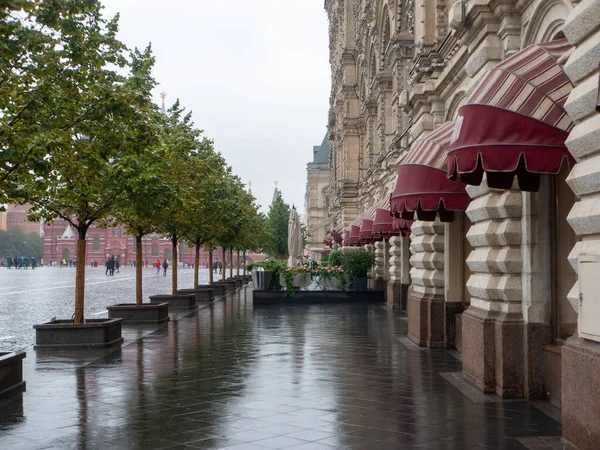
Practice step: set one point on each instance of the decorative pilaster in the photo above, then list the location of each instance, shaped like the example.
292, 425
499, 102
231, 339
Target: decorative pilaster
399, 266
492, 327
425, 302
581, 357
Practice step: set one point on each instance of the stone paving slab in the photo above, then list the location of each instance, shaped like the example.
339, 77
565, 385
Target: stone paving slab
229, 376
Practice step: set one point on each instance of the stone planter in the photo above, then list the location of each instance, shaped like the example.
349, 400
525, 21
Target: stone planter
132, 313
202, 295
217, 287
94, 333
11, 373
333, 284
184, 301
230, 285
360, 283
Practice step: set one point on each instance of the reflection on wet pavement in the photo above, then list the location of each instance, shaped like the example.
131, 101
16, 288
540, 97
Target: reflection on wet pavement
230, 376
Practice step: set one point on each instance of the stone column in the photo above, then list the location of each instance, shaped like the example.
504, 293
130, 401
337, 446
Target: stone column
378, 271
425, 302
581, 357
492, 326
399, 278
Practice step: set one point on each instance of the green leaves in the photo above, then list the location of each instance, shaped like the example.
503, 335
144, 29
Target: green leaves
277, 228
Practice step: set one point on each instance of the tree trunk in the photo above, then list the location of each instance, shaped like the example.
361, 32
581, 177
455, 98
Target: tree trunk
139, 264
238, 263
210, 267
244, 261
196, 265
174, 267
231, 263
80, 276
224, 275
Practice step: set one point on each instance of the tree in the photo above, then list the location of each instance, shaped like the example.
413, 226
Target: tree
50, 56
106, 116
277, 226
14, 242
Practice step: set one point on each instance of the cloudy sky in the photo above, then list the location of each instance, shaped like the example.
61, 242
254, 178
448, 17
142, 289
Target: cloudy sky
255, 73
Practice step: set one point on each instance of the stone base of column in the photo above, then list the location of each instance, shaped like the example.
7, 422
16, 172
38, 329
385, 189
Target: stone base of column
451, 309
493, 352
581, 393
396, 294
426, 319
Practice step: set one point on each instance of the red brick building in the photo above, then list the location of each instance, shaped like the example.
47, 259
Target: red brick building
16, 216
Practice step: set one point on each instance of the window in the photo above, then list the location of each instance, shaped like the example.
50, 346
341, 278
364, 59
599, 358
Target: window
154, 249
96, 244
113, 232
120, 232
168, 253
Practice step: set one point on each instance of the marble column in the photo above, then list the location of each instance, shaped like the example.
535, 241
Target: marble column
581, 357
378, 271
398, 272
492, 326
425, 301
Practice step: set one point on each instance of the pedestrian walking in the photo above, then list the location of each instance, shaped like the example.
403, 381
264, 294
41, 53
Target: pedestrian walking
117, 265
157, 265
107, 265
165, 266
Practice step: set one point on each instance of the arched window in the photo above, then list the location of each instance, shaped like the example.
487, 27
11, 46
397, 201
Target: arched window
168, 253
154, 249
96, 244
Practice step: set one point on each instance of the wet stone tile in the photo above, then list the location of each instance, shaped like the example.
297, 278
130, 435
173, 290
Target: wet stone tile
232, 376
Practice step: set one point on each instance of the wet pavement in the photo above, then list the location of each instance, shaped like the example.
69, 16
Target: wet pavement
30, 296
237, 377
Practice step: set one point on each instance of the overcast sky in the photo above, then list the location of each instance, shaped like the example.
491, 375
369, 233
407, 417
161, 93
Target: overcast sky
255, 73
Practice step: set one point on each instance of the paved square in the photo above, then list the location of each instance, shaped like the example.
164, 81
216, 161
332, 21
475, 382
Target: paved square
237, 377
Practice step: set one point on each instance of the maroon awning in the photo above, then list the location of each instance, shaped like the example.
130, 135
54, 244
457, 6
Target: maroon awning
402, 225
422, 185
354, 234
383, 225
336, 237
346, 237
366, 231
514, 122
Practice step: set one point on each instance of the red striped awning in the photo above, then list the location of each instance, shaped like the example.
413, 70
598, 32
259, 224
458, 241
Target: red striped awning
383, 225
336, 237
366, 231
346, 237
354, 234
402, 225
514, 123
422, 185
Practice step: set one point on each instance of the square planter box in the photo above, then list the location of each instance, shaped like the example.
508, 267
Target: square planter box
11, 373
230, 285
202, 295
145, 313
94, 333
217, 287
184, 301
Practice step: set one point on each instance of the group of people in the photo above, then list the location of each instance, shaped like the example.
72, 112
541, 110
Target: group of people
164, 265
111, 265
21, 262
67, 262
217, 265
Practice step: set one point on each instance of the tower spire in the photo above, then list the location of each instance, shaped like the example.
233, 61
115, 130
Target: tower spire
162, 97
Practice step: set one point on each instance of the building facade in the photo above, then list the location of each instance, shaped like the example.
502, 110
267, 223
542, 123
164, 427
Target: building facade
499, 97
316, 200
16, 216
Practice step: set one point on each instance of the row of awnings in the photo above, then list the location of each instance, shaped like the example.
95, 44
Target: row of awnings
513, 124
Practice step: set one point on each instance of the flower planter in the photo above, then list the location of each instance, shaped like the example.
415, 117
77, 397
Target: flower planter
262, 279
132, 313
93, 333
184, 301
202, 295
11, 373
300, 280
